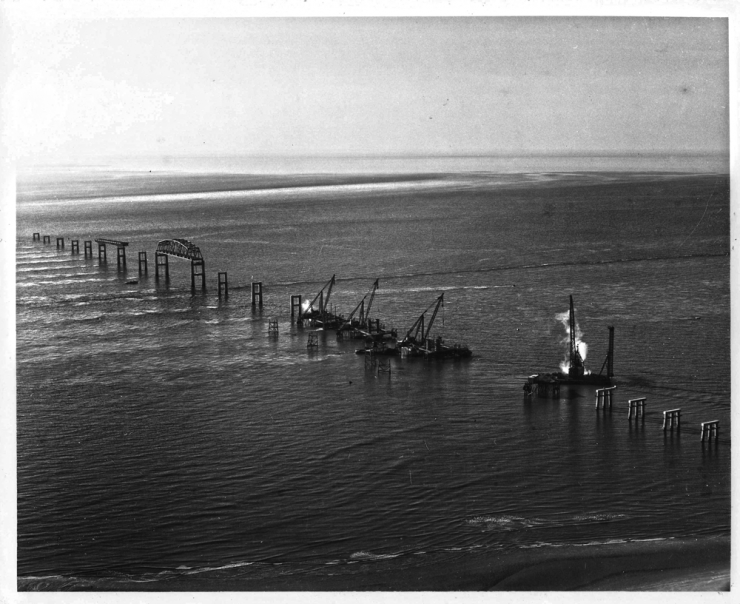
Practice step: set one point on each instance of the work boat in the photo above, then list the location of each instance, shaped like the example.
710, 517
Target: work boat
549, 384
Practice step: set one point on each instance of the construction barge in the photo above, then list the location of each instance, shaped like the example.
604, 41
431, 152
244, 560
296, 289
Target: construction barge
548, 385
378, 340
416, 342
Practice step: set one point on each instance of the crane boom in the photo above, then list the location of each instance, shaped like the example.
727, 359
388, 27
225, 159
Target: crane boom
329, 284
372, 297
419, 323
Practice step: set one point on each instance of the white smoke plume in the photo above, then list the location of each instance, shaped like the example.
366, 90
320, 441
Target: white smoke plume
581, 346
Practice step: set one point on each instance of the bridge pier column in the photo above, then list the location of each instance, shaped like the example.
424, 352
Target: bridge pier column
296, 308
37, 236
161, 261
142, 264
198, 269
75, 246
223, 283
102, 254
121, 257
88, 249
257, 293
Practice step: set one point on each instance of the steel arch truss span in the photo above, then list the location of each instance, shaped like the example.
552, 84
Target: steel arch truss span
180, 248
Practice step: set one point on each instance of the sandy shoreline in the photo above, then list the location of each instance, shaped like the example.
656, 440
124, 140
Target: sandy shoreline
671, 565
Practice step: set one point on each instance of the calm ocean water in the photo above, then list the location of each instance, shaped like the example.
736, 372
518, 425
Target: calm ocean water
164, 434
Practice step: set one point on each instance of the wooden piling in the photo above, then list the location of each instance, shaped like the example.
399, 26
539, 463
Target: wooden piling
102, 253
272, 326
60, 243
384, 366
37, 236
313, 340
75, 246
47, 239
143, 268
223, 284
88, 249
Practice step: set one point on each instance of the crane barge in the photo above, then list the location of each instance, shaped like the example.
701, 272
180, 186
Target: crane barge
320, 316
361, 326
417, 343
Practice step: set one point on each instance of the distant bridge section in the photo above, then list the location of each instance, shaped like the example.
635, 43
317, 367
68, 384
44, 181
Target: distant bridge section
112, 242
180, 248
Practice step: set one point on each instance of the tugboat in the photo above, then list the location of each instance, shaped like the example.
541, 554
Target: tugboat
546, 385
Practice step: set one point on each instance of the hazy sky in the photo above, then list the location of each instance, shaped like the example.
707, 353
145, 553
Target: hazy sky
369, 85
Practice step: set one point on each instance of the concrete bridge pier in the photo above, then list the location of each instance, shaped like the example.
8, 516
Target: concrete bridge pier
198, 269
223, 285
161, 261
296, 308
257, 293
121, 257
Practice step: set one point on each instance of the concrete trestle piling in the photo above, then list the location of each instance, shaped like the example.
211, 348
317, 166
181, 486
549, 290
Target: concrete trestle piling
636, 408
88, 249
672, 418
143, 268
710, 430
47, 239
223, 285
75, 246
60, 243
313, 340
37, 236
604, 396
296, 308
257, 293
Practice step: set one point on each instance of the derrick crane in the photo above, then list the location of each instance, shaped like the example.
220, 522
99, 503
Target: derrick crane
323, 303
418, 325
364, 319
364, 314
